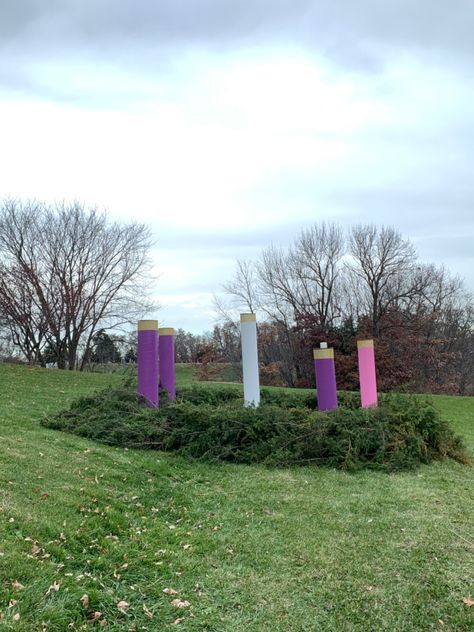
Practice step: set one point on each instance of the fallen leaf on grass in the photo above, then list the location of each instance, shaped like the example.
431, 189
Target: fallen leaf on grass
468, 602
170, 591
12, 603
177, 603
178, 621
147, 612
16, 617
122, 605
35, 549
17, 586
53, 588
85, 601
95, 616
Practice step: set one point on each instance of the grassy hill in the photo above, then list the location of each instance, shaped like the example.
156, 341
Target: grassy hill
247, 548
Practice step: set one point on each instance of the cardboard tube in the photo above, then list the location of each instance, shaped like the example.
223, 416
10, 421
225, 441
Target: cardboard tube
325, 372
167, 361
147, 361
248, 329
367, 376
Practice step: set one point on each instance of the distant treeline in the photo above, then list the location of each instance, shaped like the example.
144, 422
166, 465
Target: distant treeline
333, 286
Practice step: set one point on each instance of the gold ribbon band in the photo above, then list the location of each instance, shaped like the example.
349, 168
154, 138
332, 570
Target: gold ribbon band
147, 325
248, 318
323, 354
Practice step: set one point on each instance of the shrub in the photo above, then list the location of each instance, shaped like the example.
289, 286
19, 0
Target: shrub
209, 394
282, 397
211, 423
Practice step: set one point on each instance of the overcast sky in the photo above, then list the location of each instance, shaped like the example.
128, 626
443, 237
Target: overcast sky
227, 125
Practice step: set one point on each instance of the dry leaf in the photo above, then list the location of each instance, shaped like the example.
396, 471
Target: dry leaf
85, 601
178, 621
187, 546
177, 603
147, 612
95, 616
35, 549
17, 586
16, 617
170, 591
53, 588
468, 602
12, 603
122, 605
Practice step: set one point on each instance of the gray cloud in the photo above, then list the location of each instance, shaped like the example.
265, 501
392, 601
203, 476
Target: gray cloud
150, 37
44, 42
345, 30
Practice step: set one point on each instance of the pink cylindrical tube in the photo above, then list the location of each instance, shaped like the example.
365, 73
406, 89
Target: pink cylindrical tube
147, 361
367, 378
167, 363
325, 371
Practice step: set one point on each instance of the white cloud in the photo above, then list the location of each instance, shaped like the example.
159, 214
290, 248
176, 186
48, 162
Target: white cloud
244, 143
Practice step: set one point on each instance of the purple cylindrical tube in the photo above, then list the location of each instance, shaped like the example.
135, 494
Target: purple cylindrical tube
147, 360
325, 372
167, 364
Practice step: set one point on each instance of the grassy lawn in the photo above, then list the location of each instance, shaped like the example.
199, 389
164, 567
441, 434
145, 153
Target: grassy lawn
245, 548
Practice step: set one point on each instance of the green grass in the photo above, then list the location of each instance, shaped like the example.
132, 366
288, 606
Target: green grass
296, 549
187, 374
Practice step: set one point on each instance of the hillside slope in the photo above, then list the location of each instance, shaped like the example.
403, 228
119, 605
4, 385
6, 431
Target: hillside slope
247, 548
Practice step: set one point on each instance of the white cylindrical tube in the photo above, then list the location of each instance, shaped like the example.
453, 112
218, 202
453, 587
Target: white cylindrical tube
248, 329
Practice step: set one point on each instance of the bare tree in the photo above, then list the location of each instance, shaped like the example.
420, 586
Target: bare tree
81, 272
242, 287
20, 314
384, 262
326, 287
299, 280
315, 260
